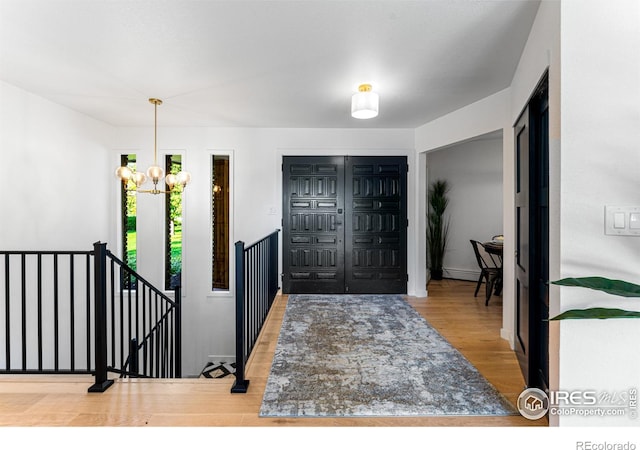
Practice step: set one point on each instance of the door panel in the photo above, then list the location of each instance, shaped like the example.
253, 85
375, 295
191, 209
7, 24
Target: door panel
344, 225
376, 224
313, 248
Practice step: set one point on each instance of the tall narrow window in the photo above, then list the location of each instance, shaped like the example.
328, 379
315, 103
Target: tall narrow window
220, 221
173, 229
128, 220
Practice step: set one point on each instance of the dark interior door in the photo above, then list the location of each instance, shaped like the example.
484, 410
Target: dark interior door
344, 224
540, 233
532, 239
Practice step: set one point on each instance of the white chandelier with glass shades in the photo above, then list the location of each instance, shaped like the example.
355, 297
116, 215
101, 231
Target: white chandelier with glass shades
133, 180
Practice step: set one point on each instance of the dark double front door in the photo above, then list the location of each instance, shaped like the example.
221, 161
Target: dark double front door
344, 224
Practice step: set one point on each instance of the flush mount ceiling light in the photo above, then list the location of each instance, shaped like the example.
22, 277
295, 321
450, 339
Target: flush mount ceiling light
364, 103
132, 180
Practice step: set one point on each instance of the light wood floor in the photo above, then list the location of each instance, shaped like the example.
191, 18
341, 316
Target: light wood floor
64, 401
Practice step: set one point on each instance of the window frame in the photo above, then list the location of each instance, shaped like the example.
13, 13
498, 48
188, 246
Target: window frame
166, 235
165, 259
120, 227
231, 269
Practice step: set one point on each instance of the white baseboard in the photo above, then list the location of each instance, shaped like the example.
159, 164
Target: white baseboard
507, 335
421, 293
222, 358
461, 274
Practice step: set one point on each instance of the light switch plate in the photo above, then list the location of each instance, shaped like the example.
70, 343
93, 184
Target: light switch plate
617, 220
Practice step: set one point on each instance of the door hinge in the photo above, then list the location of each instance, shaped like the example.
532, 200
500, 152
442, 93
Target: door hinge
282, 222
406, 275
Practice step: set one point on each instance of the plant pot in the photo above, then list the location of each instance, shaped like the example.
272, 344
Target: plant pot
436, 274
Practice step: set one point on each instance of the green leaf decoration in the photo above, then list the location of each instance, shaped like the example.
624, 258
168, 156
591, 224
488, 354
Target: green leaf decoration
597, 313
614, 287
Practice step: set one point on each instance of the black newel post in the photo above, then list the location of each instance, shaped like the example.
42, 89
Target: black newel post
178, 328
133, 356
273, 266
241, 385
100, 354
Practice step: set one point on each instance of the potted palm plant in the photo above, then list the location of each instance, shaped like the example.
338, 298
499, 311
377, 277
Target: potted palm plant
437, 227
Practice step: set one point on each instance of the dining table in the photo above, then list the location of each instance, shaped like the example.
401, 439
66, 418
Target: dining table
495, 247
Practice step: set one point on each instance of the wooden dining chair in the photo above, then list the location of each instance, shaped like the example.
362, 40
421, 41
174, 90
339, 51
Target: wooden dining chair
490, 270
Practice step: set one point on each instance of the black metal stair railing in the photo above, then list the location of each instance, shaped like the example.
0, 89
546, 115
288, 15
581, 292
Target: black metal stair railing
85, 312
46, 312
256, 288
144, 325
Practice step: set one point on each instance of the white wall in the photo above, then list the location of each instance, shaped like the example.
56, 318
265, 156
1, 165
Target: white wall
597, 164
53, 193
594, 86
54, 183
256, 158
474, 172
541, 53
481, 118
600, 163
81, 206
499, 112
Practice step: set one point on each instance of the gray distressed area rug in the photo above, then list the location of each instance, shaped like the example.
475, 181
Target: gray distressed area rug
370, 356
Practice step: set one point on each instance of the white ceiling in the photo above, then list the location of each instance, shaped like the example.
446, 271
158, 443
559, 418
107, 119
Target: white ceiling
262, 63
